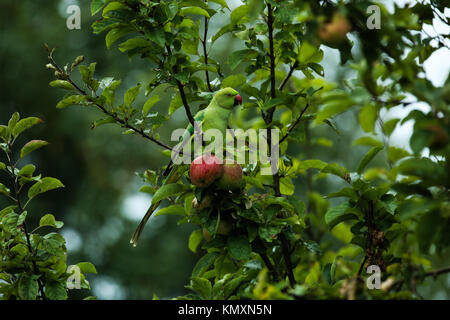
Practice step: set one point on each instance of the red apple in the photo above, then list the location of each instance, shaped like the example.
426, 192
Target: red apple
231, 178
335, 32
204, 170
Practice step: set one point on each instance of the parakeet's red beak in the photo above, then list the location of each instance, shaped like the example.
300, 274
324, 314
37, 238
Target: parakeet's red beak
237, 100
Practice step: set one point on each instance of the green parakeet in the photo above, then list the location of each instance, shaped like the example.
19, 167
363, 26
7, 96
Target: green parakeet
214, 116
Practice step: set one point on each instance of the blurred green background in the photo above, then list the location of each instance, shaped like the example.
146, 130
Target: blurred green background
101, 204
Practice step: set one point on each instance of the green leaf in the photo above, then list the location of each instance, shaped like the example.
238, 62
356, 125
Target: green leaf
100, 122
334, 102
272, 103
44, 185
223, 3
5, 133
28, 287
367, 117
131, 95
194, 240
133, 43
174, 210
389, 126
225, 29
114, 34
204, 263
55, 290
309, 54
110, 91
395, 154
87, 267
233, 81
345, 192
49, 220
195, 10
239, 247
202, 286
31, 146
157, 35
71, 100
238, 56
240, 14
97, 5
171, 10
367, 158
13, 121
63, 84
368, 141
337, 214
337, 170
4, 189
168, 190
299, 206
286, 186
424, 168
175, 104
25, 124
150, 103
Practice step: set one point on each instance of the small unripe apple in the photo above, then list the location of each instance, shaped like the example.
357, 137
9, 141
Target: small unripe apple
204, 170
232, 177
223, 229
334, 33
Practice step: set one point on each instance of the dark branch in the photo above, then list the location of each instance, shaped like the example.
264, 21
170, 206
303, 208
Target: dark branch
292, 127
288, 76
183, 95
205, 54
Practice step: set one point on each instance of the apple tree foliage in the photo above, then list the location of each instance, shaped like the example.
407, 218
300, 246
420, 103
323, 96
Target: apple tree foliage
32, 258
394, 215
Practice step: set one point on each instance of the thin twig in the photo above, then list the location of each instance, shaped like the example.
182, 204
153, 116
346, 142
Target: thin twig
124, 123
269, 265
205, 53
183, 95
288, 76
292, 127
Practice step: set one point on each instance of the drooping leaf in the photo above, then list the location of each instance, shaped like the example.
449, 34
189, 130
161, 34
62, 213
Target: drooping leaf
31, 146
239, 247
44, 185
171, 210
168, 190
367, 158
25, 124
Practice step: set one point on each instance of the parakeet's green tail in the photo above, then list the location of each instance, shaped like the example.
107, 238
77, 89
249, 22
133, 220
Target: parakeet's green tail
174, 176
135, 238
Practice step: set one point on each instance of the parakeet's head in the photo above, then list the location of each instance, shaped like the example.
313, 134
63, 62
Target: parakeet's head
227, 98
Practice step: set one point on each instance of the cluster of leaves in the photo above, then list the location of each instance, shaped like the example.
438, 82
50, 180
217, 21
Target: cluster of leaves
32, 263
264, 242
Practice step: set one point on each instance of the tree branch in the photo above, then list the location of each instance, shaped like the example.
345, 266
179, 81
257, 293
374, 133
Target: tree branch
24, 225
291, 128
183, 95
124, 123
268, 119
205, 53
288, 76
